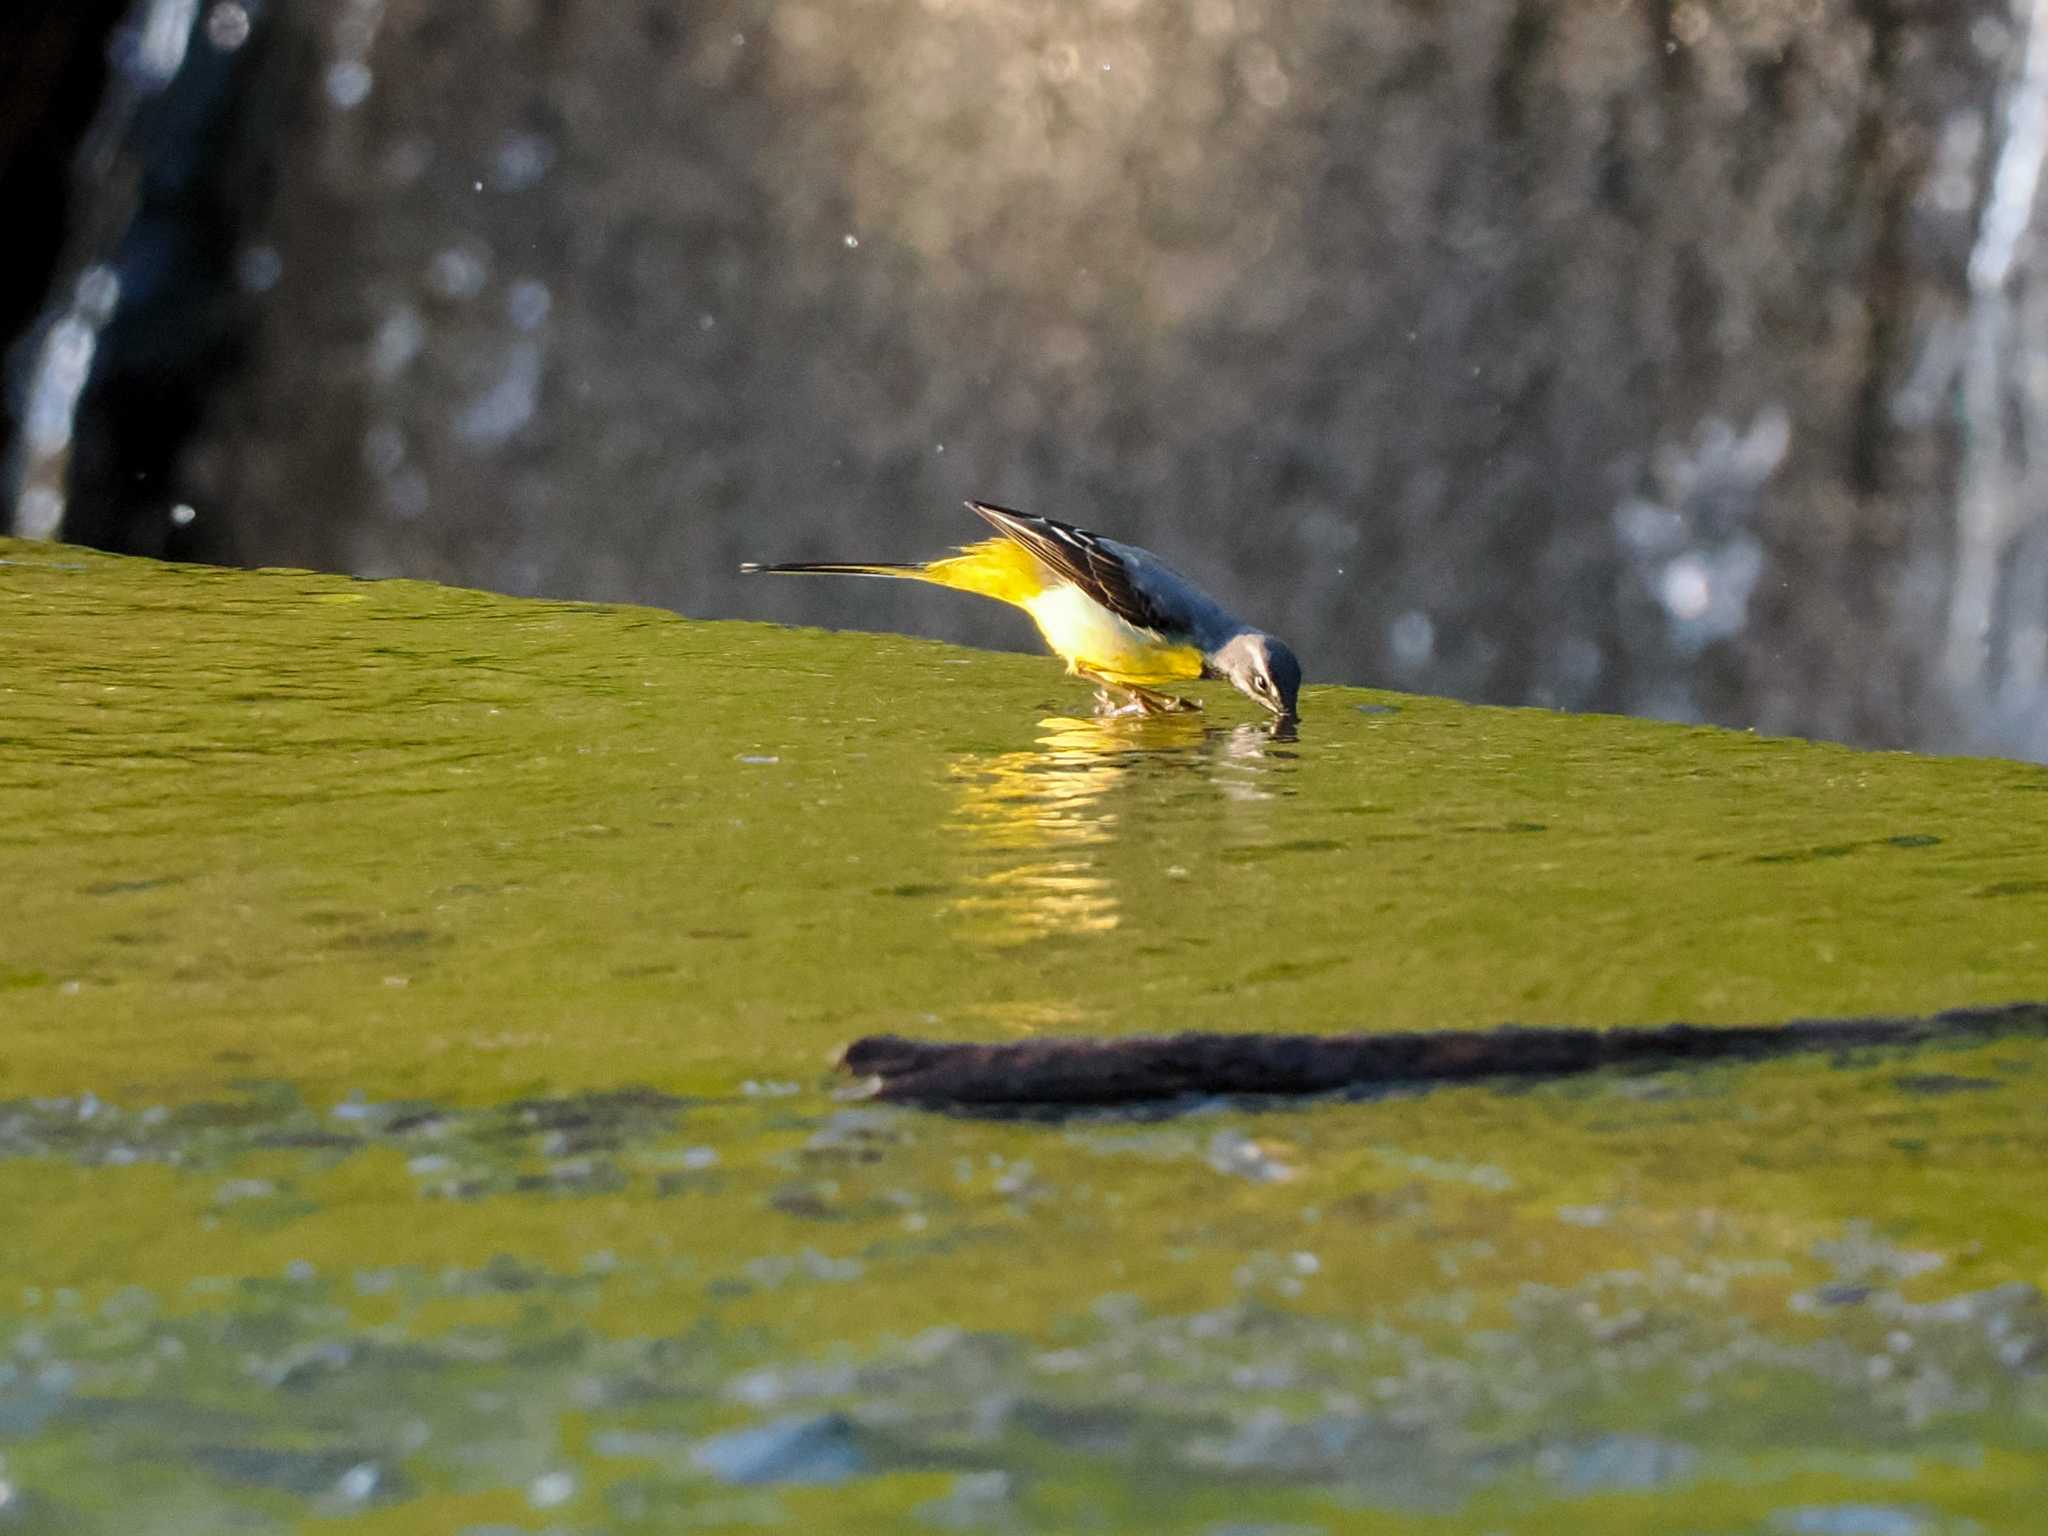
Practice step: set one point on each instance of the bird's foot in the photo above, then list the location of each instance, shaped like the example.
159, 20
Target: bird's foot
1108, 708
1162, 703
1139, 703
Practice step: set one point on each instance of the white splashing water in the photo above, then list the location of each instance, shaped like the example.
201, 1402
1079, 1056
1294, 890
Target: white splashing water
49, 411
165, 34
157, 39
62, 365
2009, 211
1999, 677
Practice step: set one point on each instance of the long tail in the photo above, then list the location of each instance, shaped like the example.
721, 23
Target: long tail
834, 568
999, 568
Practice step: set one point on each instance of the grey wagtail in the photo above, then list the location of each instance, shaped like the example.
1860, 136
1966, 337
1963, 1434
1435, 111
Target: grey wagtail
1120, 616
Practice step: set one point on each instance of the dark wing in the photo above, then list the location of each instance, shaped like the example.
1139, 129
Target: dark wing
1085, 560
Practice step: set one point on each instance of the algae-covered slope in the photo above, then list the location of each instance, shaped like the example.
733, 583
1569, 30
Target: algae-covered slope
414, 1014
389, 836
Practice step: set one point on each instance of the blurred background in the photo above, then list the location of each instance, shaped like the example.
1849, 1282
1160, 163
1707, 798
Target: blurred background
1677, 357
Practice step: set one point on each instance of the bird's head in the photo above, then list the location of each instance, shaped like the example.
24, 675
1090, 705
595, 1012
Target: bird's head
1262, 668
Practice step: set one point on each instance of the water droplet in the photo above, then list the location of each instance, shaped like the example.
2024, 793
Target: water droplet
1685, 588
348, 84
258, 268
523, 159
227, 26
1413, 638
550, 1489
509, 403
458, 272
358, 1482
528, 303
397, 342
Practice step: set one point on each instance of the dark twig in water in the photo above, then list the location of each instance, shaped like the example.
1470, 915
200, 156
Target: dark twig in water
1141, 1069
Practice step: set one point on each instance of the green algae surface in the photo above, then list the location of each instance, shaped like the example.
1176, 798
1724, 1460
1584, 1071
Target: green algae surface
416, 1011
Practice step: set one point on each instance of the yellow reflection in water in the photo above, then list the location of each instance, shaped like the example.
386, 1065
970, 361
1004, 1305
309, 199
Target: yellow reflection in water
1039, 821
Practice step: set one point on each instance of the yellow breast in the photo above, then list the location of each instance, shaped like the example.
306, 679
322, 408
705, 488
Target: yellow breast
1089, 636
1077, 627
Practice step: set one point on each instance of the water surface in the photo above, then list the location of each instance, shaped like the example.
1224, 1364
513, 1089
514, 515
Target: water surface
415, 1107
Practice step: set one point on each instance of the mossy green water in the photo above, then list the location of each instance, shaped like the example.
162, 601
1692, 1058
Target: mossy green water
417, 1008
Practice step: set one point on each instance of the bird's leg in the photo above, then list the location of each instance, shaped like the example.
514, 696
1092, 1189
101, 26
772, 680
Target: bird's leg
1162, 703
1126, 700
1140, 703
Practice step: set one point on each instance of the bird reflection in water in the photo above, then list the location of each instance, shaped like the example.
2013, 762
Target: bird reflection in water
1039, 822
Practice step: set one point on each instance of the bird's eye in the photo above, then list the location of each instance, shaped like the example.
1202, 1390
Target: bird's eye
1259, 683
